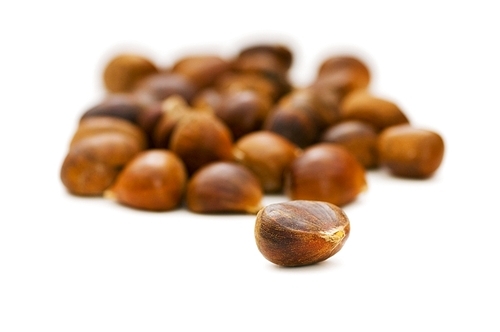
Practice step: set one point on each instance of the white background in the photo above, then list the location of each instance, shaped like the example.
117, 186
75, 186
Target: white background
422, 256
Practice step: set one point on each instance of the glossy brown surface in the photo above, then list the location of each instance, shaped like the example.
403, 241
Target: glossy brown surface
224, 187
411, 152
202, 70
379, 112
325, 172
243, 111
267, 155
101, 124
201, 138
124, 71
93, 162
360, 138
298, 233
153, 180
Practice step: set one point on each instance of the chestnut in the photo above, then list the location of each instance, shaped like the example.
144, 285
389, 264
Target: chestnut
410, 152
93, 162
224, 186
300, 232
153, 180
325, 172
199, 138
359, 137
268, 155
123, 71
379, 112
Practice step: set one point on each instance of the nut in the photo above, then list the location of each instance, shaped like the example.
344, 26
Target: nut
125, 70
93, 162
153, 180
325, 172
360, 138
379, 112
300, 232
410, 152
268, 155
224, 187
200, 138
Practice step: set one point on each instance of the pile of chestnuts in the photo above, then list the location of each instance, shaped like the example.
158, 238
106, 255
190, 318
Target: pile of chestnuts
214, 134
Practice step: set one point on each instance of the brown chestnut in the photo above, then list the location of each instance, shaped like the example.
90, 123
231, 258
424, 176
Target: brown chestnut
268, 155
325, 172
360, 138
93, 162
224, 187
379, 112
153, 180
123, 71
300, 232
200, 138
410, 152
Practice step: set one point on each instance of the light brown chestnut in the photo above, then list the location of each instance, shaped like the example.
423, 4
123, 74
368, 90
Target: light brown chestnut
200, 138
202, 69
343, 73
325, 172
268, 155
153, 180
359, 137
410, 152
157, 87
221, 187
300, 232
95, 125
123, 71
93, 162
379, 112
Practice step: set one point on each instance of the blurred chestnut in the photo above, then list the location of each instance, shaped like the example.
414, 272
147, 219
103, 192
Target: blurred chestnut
325, 172
153, 180
199, 138
379, 112
157, 87
93, 162
410, 152
224, 187
360, 138
202, 70
268, 155
123, 71
119, 105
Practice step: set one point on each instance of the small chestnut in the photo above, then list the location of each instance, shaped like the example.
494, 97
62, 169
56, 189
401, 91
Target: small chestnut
123, 71
224, 186
153, 180
199, 138
300, 232
379, 112
325, 172
268, 155
410, 152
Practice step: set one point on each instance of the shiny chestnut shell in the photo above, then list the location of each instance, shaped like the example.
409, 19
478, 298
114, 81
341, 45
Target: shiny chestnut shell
153, 180
325, 172
410, 152
300, 232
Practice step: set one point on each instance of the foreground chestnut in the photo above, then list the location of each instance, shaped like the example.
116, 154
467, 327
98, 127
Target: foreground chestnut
300, 232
